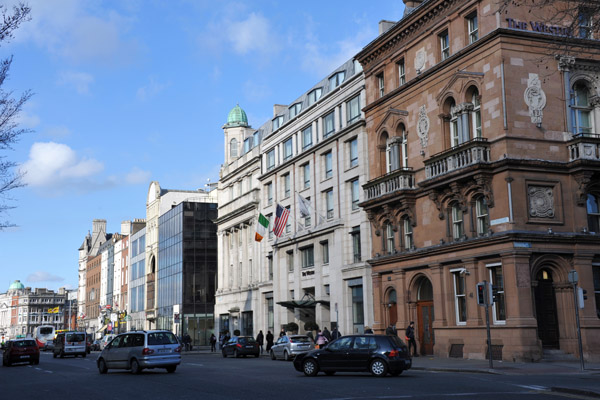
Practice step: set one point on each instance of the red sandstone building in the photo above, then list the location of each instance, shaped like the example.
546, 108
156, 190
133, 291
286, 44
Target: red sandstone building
484, 160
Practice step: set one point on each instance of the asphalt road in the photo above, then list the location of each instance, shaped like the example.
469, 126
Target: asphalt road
206, 376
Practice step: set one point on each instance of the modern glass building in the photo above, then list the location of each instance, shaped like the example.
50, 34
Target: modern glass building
187, 270
137, 280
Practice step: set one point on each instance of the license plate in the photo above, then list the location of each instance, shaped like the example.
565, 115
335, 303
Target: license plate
24, 356
164, 350
249, 347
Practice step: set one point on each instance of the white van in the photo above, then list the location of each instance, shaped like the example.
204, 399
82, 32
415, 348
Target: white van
106, 340
70, 344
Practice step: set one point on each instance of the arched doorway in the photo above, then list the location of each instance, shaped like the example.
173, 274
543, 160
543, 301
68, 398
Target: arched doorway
426, 338
545, 307
392, 307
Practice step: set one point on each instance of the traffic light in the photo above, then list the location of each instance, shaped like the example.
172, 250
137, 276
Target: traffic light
481, 293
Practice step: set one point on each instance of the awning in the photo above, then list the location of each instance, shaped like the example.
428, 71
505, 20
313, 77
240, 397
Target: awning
101, 329
302, 303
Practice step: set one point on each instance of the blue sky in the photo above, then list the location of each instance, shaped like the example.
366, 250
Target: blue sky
126, 92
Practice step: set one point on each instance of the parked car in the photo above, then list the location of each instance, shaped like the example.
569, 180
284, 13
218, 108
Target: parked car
106, 340
138, 350
378, 354
95, 345
70, 344
287, 347
241, 346
19, 351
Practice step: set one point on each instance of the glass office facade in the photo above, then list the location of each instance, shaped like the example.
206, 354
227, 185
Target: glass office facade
187, 270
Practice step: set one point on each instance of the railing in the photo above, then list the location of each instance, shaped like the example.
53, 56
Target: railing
475, 151
391, 182
226, 169
584, 146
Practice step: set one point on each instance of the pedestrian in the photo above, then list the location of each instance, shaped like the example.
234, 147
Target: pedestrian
410, 338
368, 329
260, 340
187, 341
310, 335
327, 334
335, 334
213, 342
391, 330
282, 333
269, 340
221, 339
320, 340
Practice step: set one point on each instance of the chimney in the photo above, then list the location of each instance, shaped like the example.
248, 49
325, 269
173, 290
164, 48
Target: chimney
410, 5
279, 109
99, 225
385, 26
126, 228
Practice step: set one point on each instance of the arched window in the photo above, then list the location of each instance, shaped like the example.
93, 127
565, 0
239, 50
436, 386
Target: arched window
408, 234
233, 148
451, 121
593, 213
475, 114
403, 146
483, 220
458, 228
383, 152
389, 238
581, 110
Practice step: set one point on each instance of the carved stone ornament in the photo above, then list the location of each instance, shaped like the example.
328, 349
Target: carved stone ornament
535, 98
420, 60
423, 127
541, 202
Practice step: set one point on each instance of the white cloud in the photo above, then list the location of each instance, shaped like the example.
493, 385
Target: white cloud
152, 89
57, 132
137, 175
27, 120
54, 164
80, 80
43, 276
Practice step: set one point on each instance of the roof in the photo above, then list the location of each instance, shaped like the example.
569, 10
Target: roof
237, 117
16, 285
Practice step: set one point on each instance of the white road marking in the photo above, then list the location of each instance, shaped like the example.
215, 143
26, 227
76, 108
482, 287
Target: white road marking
533, 387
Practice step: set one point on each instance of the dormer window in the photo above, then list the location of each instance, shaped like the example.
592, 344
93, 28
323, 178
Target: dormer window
295, 110
277, 122
336, 80
314, 96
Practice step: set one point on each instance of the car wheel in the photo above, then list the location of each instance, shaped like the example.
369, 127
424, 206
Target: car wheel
83, 355
273, 355
310, 367
257, 355
378, 368
224, 354
102, 366
396, 373
36, 362
171, 368
329, 373
135, 367
286, 356
235, 354
53, 354
62, 354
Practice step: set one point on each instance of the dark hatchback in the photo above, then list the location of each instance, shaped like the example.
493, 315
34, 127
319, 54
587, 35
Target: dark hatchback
19, 351
377, 354
241, 346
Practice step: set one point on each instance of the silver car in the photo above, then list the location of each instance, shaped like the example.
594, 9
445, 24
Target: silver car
139, 350
287, 347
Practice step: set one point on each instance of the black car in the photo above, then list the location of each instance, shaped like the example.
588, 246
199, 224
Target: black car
241, 346
378, 354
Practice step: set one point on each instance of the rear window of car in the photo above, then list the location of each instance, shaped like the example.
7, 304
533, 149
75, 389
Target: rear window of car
24, 343
75, 337
157, 338
302, 339
396, 341
247, 340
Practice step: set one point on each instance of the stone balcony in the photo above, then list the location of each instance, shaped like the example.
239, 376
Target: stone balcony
475, 151
247, 199
584, 146
243, 159
401, 179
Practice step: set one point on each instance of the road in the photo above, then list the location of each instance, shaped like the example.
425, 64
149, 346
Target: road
206, 376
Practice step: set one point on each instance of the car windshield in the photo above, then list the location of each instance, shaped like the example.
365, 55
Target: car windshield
24, 343
75, 337
156, 338
301, 339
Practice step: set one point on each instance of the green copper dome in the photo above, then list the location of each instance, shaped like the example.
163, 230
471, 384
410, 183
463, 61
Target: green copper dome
16, 285
237, 117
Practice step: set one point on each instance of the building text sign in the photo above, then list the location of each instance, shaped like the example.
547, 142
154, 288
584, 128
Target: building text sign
538, 27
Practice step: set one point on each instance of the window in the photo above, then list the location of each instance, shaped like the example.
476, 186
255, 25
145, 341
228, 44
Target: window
336, 80
401, 73
457, 222
233, 148
381, 85
460, 298
454, 134
353, 109
476, 114
328, 164
444, 45
355, 190
270, 218
288, 224
308, 257
404, 146
329, 203
325, 251
584, 21
314, 96
408, 234
596, 273
357, 67
306, 175
269, 188
472, 27
483, 220
277, 122
358, 318
581, 111
353, 145
290, 260
307, 138
270, 159
328, 124
355, 233
389, 238
392, 155
497, 281
295, 110
247, 144
307, 219
270, 265
593, 213
286, 185
288, 149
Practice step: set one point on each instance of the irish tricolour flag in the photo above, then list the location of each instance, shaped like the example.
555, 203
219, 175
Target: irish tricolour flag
261, 227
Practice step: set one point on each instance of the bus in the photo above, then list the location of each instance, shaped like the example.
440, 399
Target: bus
44, 334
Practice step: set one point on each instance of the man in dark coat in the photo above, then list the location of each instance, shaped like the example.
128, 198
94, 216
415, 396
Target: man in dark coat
391, 330
335, 334
260, 340
327, 334
269, 340
410, 338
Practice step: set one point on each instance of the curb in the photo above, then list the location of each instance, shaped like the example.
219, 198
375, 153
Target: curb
464, 370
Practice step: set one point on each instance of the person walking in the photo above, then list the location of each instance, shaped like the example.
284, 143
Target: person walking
327, 334
260, 338
391, 330
320, 340
368, 329
187, 341
282, 333
213, 342
335, 334
269, 340
410, 338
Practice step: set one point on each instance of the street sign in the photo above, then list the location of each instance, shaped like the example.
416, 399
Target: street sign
573, 278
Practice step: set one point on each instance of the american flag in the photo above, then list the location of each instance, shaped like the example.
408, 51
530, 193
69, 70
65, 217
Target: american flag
281, 217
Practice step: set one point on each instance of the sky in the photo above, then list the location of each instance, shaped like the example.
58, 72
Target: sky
132, 91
